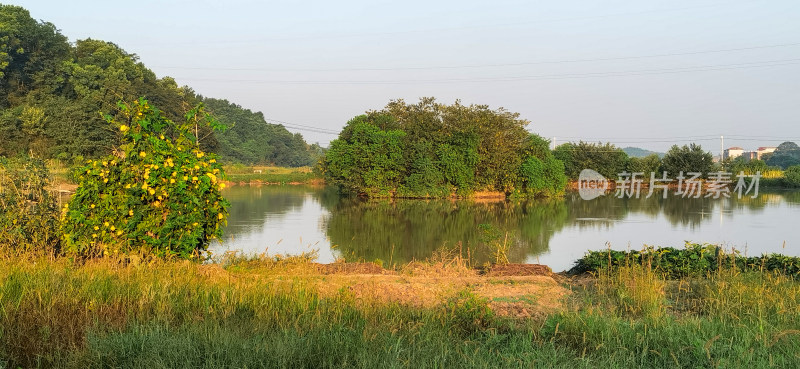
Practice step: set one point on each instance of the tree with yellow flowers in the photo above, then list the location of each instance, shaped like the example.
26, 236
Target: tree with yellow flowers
157, 193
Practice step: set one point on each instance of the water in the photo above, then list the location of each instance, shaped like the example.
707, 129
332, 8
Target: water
294, 219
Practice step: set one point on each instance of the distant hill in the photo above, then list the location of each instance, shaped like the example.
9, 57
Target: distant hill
636, 152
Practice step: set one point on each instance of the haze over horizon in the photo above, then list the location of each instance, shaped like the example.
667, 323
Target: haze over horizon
636, 74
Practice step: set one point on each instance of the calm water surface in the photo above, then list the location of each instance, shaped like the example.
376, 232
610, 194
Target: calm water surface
294, 219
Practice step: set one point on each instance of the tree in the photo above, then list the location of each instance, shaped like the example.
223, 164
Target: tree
606, 159
686, 159
369, 162
541, 173
785, 155
159, 192
648, 164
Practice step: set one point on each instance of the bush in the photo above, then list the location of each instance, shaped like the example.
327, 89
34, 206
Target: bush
28, 211
695, 260
158, 193
791, 177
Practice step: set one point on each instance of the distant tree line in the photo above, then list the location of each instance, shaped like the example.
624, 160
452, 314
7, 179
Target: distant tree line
610, 161
53, 96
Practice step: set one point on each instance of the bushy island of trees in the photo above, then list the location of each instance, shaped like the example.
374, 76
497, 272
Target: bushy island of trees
429, 149
52, 94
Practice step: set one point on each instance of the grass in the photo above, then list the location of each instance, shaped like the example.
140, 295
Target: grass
268, 312
265, 174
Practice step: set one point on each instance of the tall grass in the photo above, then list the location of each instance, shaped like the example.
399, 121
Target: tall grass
266, 312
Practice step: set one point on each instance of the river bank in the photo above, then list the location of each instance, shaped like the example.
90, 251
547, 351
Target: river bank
292, 312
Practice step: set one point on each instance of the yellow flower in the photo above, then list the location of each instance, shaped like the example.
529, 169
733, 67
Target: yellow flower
194, 178
91, 206
219, 216
96, 228
119, 232
213, 177
172, 180
200, 154
185, 177
151, 191
128, 185
123, 128
113, 228
142, 153
144, 186
130, 212
161, 137
221, 185
105, 224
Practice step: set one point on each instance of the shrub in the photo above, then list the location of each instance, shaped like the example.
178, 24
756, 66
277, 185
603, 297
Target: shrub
695, 260
28, 211
791, 177
158, 193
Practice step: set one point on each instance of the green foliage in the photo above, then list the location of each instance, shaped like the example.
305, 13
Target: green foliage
444, 150
687, 159
785, 155
607, 159
28, 210
369, 161
51, 92
249, 139
791, 177
694, 260
648, 164
159, 193
740, 164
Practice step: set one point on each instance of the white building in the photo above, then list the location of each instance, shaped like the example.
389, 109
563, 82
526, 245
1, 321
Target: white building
733, 152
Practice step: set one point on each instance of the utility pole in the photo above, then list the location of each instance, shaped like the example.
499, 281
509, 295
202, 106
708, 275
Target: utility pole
721, 149
554, 142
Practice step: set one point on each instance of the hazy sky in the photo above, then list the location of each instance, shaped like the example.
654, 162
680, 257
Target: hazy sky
637, 73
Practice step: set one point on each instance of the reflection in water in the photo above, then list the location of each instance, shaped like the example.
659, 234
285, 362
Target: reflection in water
293, 219
403, 230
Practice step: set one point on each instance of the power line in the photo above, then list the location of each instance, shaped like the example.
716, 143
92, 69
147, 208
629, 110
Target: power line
429, 31
490, 65
639, 138
302, 127
770, 63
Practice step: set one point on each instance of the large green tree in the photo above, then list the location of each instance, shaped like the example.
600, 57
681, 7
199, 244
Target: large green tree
686, 159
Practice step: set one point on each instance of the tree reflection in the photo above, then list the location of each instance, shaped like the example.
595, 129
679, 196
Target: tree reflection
404, 230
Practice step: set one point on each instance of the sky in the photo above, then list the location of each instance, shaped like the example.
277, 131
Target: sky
636, 73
